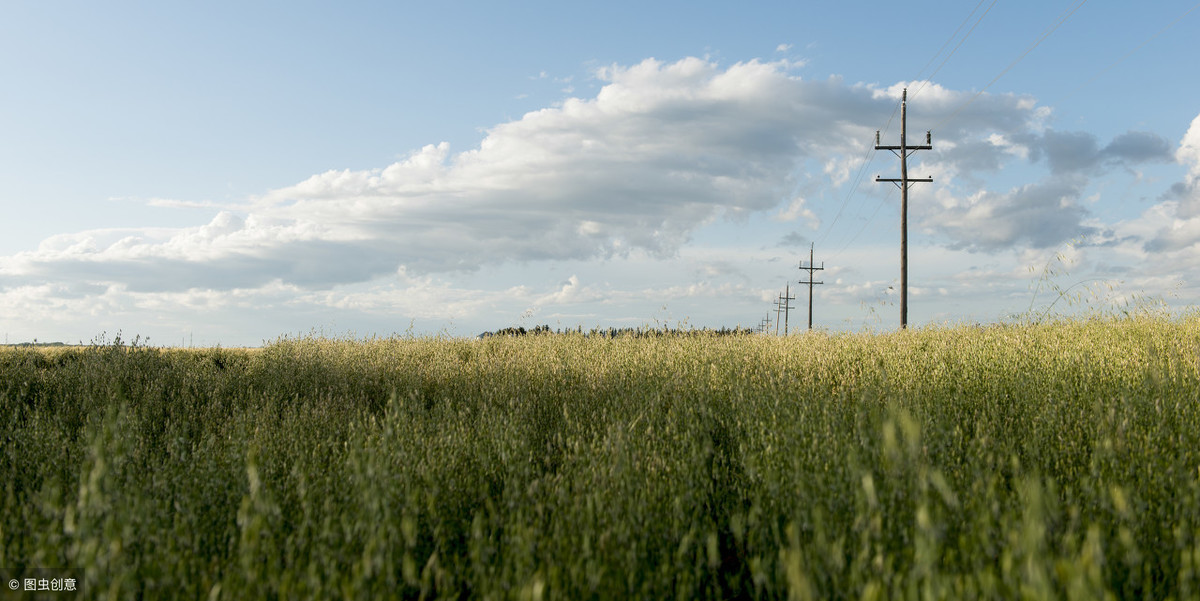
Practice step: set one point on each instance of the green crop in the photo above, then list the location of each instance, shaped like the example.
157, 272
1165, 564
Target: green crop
1039, 461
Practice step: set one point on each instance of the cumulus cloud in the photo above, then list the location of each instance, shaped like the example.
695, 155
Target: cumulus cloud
795, 239
1179, 234
569, 292
1176, 220
1072, 152
662, 149
1040, 215
796, 209
1138, 147
1048, 212
1069, 151
1187, 192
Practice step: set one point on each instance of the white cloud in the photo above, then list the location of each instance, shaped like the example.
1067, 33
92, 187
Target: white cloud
1040, 215
662, 149
1178, 219
797, 209
1002, 142
1188, 154
418, 298
1189, 149
569, 292
1178, 234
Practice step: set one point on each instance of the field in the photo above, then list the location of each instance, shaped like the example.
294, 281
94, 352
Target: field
1058, 460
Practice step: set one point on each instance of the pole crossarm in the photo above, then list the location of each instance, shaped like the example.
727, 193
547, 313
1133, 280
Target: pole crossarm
905, 147
899, 182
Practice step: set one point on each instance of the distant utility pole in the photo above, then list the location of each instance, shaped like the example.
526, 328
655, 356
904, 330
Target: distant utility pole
786, 298
902, 151
810, 269
778, 310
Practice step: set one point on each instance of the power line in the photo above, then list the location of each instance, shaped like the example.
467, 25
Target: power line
862, 169
1067, 15
1127, 54
956, 47
866, 223
950, 39
870, 154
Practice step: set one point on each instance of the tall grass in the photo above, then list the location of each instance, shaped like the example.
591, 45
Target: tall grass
1055, 460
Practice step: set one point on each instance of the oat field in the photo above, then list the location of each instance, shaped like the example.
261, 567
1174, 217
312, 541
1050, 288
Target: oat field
1041, 461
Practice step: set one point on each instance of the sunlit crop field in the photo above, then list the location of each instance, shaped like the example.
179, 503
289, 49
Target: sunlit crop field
1035, 461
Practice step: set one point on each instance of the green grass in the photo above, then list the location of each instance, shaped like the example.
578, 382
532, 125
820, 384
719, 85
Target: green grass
1059, 460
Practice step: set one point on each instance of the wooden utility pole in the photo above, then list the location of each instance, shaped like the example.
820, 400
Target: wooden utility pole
810, 269
787, 299
778, 310
902, 151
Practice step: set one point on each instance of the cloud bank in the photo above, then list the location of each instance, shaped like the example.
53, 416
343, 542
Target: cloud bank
661, 150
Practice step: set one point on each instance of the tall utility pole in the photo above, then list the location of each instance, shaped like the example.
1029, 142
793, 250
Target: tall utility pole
786, 298
810, 269
902, 151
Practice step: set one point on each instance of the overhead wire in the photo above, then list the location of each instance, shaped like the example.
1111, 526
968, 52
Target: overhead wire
956, 46
951, 39
1127, 54
870, 155
862, 168
866, 223
1063, 19
845, 200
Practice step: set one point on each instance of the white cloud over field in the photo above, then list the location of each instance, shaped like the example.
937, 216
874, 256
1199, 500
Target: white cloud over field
663, 150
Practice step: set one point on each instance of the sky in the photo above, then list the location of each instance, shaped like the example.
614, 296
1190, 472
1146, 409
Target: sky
227, 173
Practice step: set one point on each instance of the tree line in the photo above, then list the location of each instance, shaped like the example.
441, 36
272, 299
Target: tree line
640, 332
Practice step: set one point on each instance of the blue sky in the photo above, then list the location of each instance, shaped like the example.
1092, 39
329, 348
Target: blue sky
226, 173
